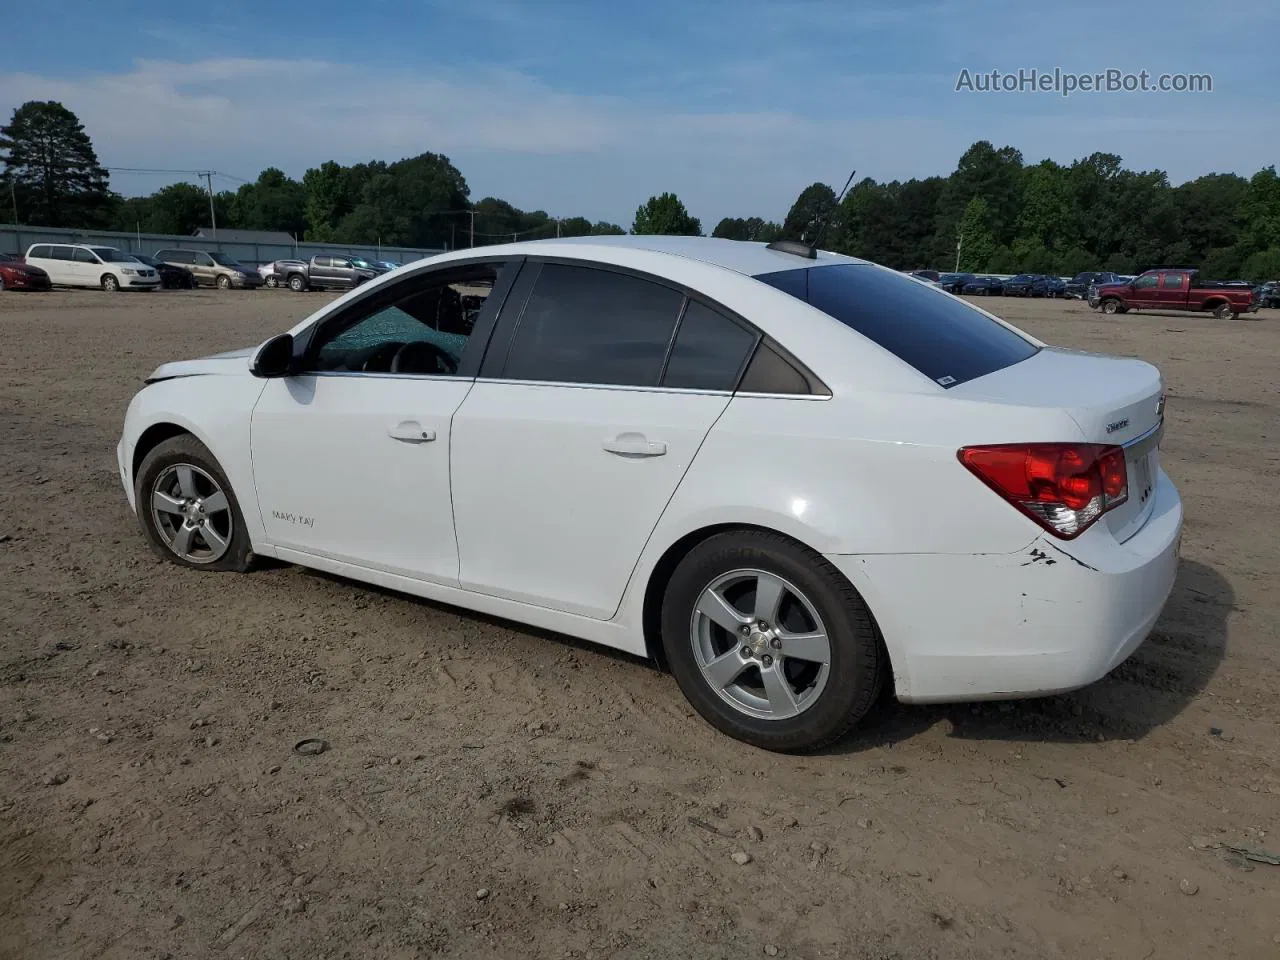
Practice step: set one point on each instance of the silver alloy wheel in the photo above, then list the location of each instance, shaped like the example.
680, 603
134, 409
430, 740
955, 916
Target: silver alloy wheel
760, 644
191, 513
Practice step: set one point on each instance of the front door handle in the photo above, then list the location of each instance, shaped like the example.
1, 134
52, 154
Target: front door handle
410, 431
635, 445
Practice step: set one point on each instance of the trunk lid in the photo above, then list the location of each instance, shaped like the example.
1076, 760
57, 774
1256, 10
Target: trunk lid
1114, 400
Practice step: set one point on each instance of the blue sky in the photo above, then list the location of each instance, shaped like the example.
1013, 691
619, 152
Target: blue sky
588, 107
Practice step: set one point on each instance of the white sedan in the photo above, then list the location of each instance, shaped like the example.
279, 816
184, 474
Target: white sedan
791, 476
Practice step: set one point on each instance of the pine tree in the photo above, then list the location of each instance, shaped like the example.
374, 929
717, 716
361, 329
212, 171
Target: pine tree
52, 169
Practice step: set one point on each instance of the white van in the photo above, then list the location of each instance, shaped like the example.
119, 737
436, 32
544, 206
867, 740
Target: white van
85, 265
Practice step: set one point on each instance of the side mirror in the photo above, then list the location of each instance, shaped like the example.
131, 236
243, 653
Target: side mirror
274, 358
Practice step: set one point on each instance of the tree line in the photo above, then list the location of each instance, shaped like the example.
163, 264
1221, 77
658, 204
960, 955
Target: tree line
993, 213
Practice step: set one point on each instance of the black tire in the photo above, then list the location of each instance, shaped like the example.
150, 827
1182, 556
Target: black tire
298, 283
110, 283
1112, 305
858, 664
273, 282
176, 451
1223, 311
223, 282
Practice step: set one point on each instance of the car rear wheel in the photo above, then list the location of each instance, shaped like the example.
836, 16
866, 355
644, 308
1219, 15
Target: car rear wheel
110, 283
770, 643
1223, 311
297, 283
187, 509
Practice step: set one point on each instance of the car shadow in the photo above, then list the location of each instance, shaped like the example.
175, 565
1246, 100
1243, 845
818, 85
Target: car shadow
1148, 690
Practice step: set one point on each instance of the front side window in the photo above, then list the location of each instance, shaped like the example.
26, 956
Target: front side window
944, 338
1145, 283
586, 325
419, 326
110, 255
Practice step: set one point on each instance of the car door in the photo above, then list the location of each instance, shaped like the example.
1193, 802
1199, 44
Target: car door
579, 430
1172, 292
87, 269
351, 454
321, 272
1145, 291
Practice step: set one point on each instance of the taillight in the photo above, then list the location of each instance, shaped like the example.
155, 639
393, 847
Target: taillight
1064, 487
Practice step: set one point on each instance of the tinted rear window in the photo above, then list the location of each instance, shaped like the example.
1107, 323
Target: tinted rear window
944, 338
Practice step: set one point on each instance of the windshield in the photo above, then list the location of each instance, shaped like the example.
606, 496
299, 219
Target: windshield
941, 336
227, 261
143, 258
111, 255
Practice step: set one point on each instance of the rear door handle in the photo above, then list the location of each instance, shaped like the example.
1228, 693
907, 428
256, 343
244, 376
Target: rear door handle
635, 445
410, 431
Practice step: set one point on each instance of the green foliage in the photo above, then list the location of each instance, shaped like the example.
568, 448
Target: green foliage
274, 202
1262, 266
1043, 218
51, 172
1003, 260
815, 205
665, 214
975, 235
751, 228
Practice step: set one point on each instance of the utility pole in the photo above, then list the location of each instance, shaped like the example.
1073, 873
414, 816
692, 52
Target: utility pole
472, 242
959, 245
213, 216
13, 195
557, 228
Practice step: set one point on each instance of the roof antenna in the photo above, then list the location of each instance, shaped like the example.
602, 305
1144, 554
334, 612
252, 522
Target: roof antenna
822, 226
800, 247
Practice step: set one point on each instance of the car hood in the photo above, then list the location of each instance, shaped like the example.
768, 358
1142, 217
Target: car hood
230, 363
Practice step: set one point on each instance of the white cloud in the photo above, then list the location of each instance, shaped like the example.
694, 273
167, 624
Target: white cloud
519, 138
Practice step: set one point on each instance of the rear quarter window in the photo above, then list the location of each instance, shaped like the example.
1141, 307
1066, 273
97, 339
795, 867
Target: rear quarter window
942, 337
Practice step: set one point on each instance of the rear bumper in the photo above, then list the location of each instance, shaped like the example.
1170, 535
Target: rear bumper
1031, 623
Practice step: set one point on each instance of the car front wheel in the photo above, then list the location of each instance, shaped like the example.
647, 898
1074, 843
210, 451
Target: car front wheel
187, 509
770, 643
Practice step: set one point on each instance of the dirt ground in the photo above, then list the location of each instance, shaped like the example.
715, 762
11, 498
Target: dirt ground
490, 791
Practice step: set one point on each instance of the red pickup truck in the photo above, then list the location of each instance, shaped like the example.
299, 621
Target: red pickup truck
1175, 289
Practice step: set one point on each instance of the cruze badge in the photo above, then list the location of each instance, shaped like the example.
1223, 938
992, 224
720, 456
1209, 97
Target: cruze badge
1118, 425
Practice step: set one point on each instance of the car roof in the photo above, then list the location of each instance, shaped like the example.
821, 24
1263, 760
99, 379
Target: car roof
749, 258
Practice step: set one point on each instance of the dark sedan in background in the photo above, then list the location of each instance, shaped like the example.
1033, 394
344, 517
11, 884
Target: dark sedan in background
983, 287
17, 274
954, 282
1078, 286
172, 276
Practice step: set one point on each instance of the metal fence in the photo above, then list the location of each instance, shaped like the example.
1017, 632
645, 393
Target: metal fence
16, 239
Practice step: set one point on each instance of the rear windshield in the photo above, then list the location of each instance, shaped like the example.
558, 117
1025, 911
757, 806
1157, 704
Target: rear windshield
941, 336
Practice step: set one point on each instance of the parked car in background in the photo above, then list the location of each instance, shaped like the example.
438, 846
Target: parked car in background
926, 274
88, 265
965, 513
983, 287
1055, 287
1078, 286
15, 274
267, 271
171, 277
323, 273
1269, 294
1025, 285
212, 269
363, 263
953, 282
1177, 289
389, 264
